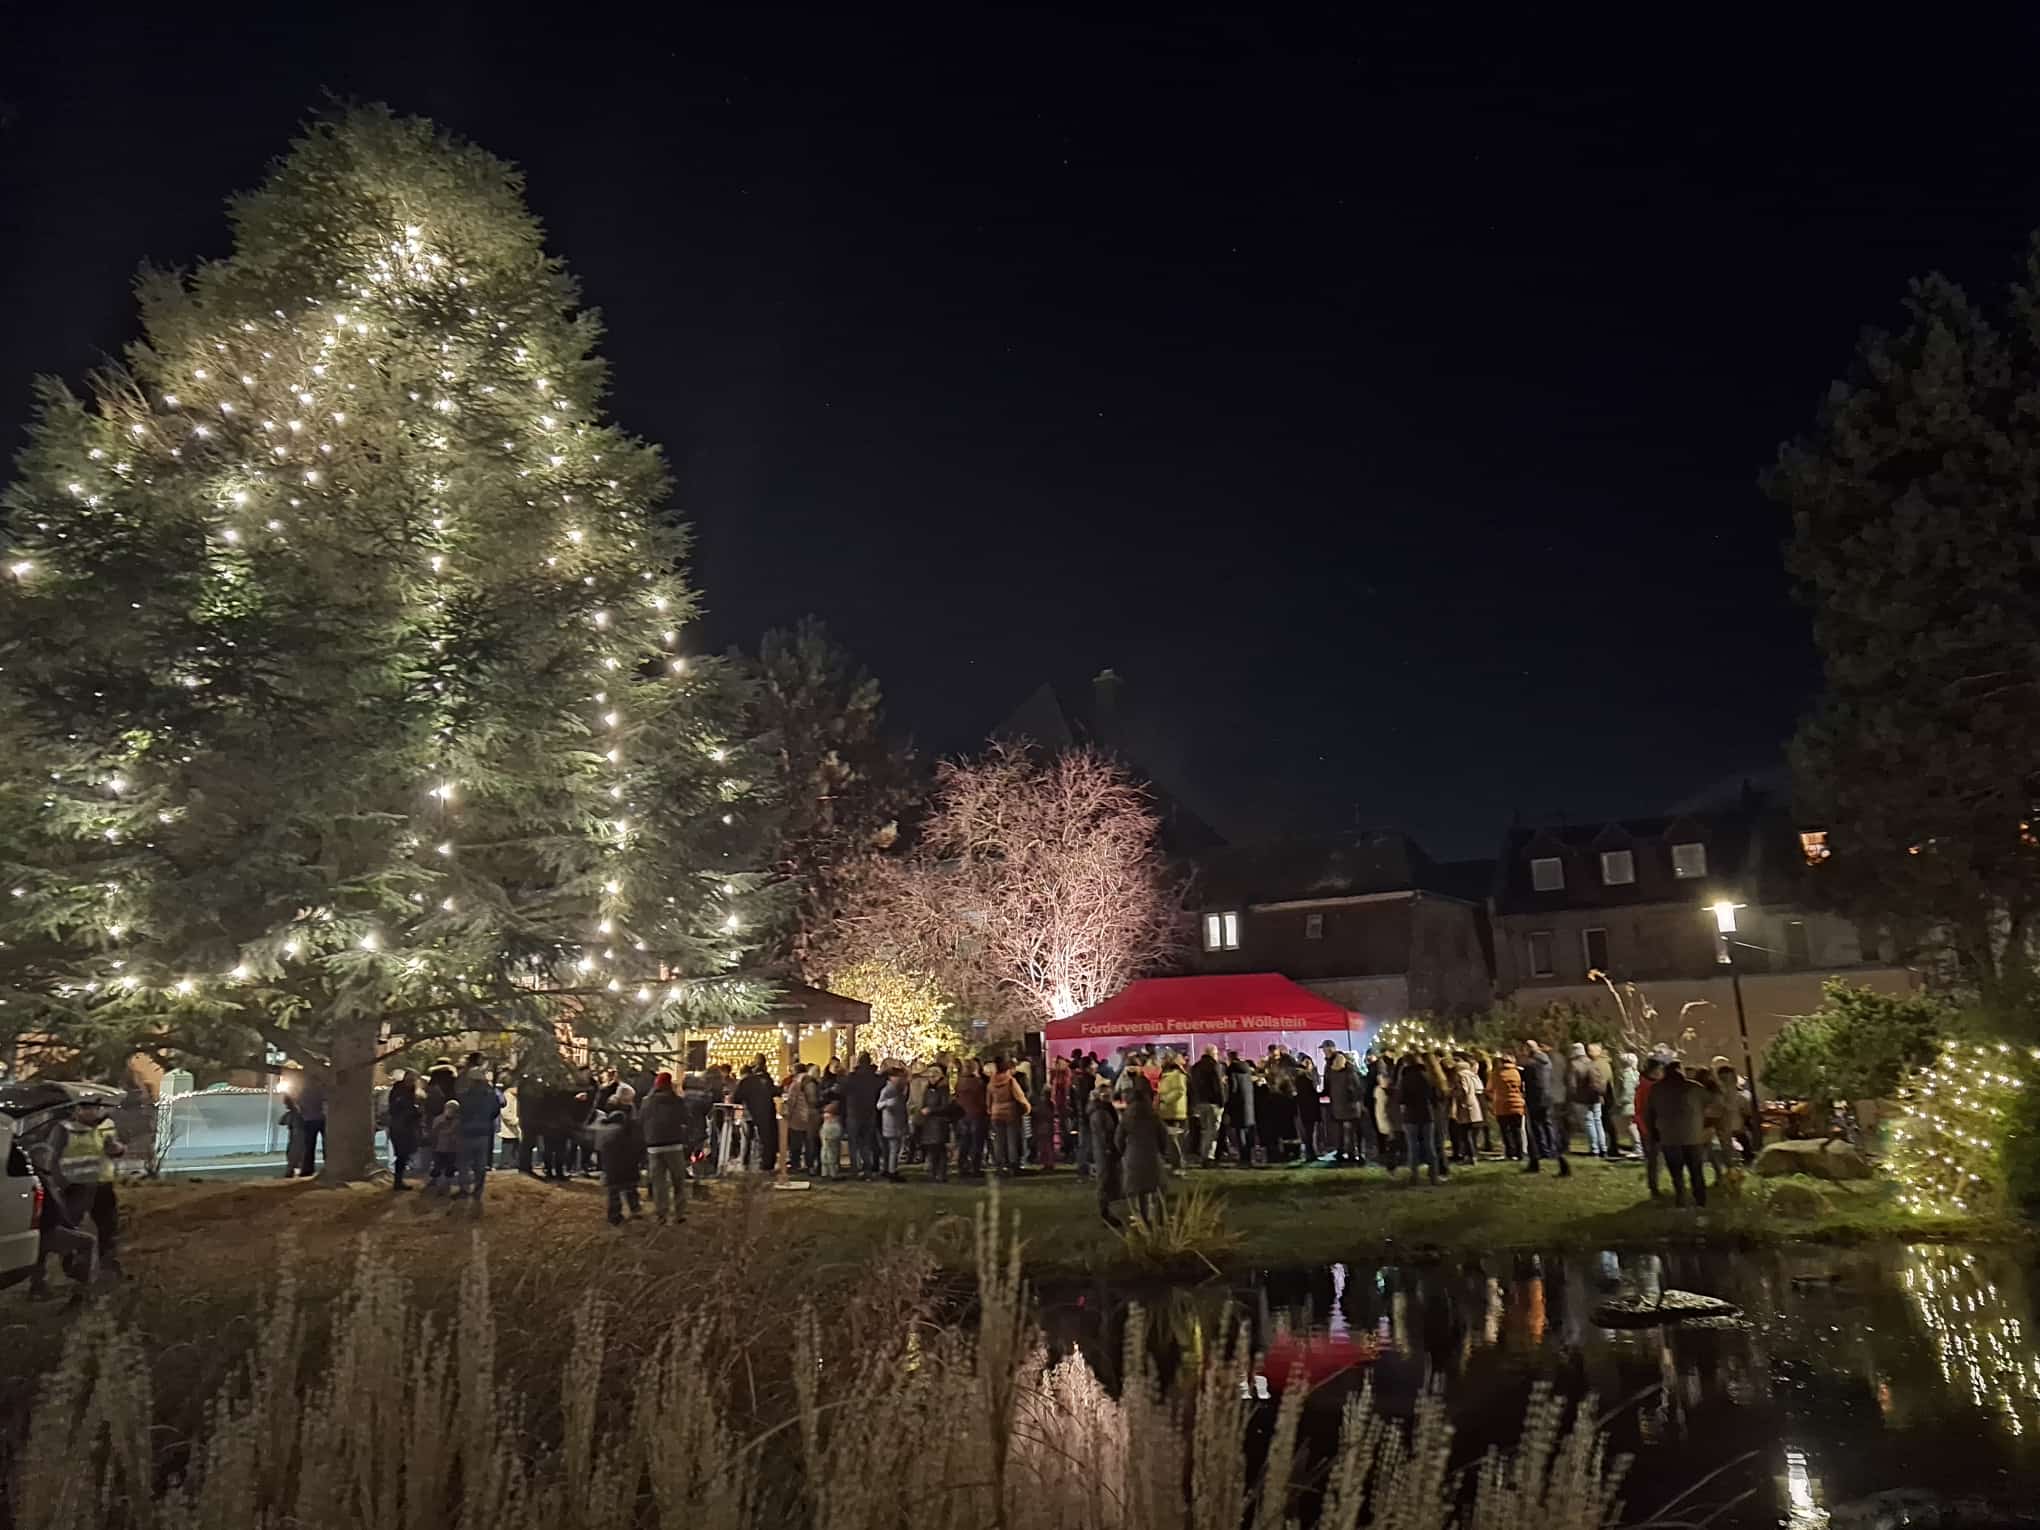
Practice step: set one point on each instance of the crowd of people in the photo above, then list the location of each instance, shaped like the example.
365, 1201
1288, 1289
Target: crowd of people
1123, 1122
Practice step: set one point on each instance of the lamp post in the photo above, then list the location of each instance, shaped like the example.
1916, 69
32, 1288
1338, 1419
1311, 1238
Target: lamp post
1724, 953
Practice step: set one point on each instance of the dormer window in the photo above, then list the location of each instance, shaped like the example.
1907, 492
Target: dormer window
1547, 873
1689, 860
1618, 868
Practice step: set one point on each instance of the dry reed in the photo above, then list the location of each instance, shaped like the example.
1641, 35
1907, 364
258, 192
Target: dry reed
392, 1416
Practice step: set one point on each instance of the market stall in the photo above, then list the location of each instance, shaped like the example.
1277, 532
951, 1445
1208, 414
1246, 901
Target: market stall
1244, 1012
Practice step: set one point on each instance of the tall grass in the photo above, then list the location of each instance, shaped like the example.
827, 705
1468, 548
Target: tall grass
384, 1415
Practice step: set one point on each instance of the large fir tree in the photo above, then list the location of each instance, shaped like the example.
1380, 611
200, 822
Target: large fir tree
1915, 511
342, 637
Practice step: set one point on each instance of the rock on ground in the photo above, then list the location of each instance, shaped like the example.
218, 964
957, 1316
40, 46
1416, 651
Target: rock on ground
1798, 1201
1821, 1160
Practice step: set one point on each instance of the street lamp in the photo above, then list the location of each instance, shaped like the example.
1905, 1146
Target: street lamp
1724, 953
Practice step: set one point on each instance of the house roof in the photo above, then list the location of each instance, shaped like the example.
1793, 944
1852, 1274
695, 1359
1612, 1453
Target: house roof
1357, 866
1750, 854
1235, 1001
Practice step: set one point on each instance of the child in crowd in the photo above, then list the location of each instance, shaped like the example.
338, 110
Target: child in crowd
445, 1146
832, 1138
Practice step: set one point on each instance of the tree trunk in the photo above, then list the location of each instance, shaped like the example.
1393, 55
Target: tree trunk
350, 1103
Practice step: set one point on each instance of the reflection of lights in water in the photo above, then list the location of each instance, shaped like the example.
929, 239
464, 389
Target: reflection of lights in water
1399, 1322
1533, 1315
1335, 1324
1802, 1504
1492, 1326
1980, 1341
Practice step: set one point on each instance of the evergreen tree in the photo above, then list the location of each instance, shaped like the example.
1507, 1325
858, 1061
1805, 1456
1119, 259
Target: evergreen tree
343, 640
1916, 540
842, 784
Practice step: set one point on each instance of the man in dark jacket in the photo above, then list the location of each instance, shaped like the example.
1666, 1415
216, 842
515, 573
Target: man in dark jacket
1538, 1107
1101, 1130
933, 1126
1344, 1093
620, 1143
663, 1122
756, 1093
402, 1112
1207, 1102
860, 1115
480, 1106
1082, 1082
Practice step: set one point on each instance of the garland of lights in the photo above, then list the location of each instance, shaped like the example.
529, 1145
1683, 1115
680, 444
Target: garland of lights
1944, 1147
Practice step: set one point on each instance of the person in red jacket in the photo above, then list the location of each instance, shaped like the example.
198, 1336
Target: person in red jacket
1653, 1070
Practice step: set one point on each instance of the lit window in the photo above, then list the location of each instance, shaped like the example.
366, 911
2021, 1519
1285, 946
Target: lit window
1313, 926
1689, 860
1813, 845
1547, 873
1618, 868
1540, 954
1222, 931
1594, 943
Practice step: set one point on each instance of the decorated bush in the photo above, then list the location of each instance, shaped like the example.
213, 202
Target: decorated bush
1959, 1146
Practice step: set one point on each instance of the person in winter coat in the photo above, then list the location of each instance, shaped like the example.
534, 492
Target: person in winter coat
1465, 1107
1584, 1091
1676, 1115
620, 1144
1622, 1132
932, 1125
445, 1147
1420, 1101
802, 1107
1344, 1096
1653, 1156
1505, 1099
1387, 1113
85, 1148
1541, 1108
1082, 1081
480, 1106
1732, 1119
860, 1115
1006, 1103
1101, 1132
1207, 1102
1142, 1142
1172, 1105
757, 1094
832, 1138
401, 1113
1602, 1072
662, 1121
1309, 1109
311, 1104
1239, 1108
892, 1120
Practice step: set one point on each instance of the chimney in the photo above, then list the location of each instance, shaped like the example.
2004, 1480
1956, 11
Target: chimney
1106, 688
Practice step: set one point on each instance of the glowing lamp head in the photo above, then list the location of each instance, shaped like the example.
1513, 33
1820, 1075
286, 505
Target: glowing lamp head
1724, 917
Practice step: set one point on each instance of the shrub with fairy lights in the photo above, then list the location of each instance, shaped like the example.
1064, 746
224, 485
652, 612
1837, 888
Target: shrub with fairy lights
910, 1015
1947, 1147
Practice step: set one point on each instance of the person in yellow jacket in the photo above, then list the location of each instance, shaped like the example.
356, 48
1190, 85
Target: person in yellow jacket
86, 1147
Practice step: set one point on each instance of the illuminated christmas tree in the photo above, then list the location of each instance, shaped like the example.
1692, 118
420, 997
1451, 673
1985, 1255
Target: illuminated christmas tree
344, 639
1945, 1147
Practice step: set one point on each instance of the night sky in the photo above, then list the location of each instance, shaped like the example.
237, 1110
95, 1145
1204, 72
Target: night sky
1383, 399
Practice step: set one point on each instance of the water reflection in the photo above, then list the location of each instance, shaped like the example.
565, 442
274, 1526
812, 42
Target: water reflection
1851, 1372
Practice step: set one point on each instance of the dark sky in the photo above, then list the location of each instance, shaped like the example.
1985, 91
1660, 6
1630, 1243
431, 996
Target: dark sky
1382, 398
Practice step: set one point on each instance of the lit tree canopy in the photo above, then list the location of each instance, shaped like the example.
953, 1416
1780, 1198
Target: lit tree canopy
342, 638
1037, 886
910, 1014
1915, 508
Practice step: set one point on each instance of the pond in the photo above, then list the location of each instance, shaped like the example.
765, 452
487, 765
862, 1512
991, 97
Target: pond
1853, 1372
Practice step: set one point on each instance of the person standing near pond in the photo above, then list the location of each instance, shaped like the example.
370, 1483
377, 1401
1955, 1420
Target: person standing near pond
402, 1112
1640, 1119
1172, 1104
1101, 1132
1676, 1115
932, 1124
311, 1103
480, 1106
1309, 1108
663, 1124
1466, 1111
1542, 1110
973, 1123
1585, 1091
1239, 1108
1006, 1103
1419, 1100
1622, 1127
620, 1144
1343, 1091
860, 1115
1207, 1103
1142, 1142
1505, 1095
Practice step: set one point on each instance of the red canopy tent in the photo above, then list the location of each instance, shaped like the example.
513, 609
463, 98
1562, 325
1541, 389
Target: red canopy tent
1241, 1011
